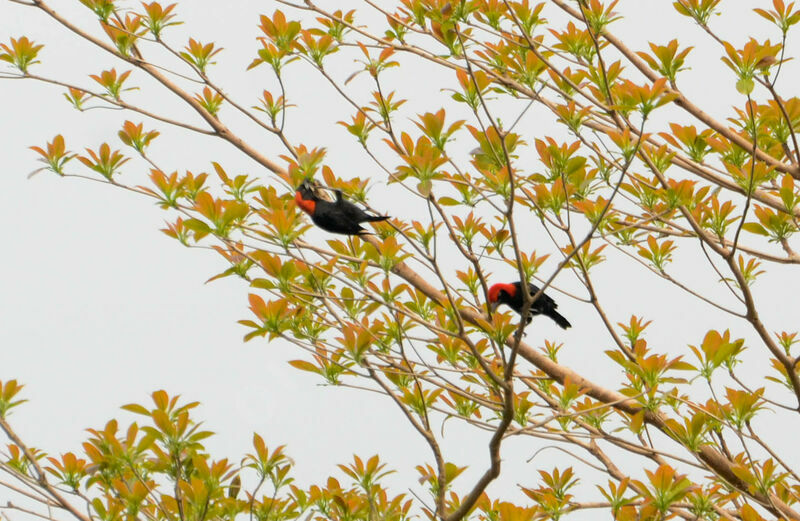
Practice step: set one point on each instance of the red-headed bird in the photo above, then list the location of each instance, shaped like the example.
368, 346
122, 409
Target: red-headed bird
339, 216
511, 295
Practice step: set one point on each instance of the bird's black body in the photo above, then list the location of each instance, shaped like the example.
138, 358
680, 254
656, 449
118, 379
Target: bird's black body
339, 216
511, 295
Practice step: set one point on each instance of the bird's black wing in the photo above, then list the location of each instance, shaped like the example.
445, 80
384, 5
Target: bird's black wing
542, 305
544, 301
351, 210
546, 306
336, 217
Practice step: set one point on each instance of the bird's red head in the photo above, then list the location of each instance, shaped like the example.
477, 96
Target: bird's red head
307, 205
494, 292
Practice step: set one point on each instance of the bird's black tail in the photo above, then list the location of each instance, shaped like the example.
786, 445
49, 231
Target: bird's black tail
558, 319
375, 218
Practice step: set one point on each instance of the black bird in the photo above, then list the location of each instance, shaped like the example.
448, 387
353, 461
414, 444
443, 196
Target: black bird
511, 295
339, 216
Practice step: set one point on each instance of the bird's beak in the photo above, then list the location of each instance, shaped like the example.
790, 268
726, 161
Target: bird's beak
493, 306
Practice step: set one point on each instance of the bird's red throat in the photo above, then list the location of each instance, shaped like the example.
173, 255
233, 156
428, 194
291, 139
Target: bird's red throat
304, 204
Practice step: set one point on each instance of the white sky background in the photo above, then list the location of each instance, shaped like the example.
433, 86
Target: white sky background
98, 308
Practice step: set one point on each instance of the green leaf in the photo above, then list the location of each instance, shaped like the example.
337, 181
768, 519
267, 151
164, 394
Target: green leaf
304, 365
263, 284
745, 85
755, 228
425, 187
199, 228
136, 408
448, 201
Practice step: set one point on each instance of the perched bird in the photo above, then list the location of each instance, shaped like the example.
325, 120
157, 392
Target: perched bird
337, 216
511, 294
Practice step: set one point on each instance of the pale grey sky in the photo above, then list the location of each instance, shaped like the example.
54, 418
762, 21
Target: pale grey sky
98, 308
